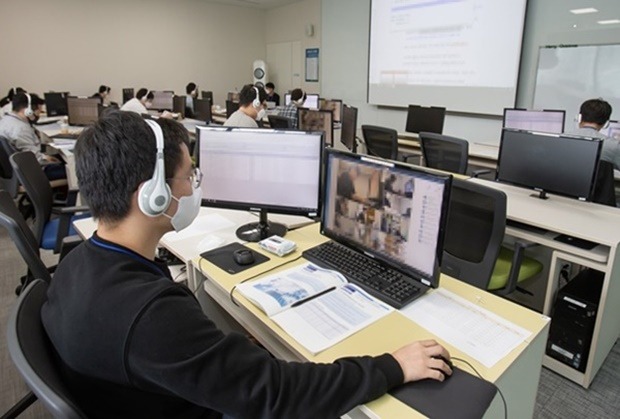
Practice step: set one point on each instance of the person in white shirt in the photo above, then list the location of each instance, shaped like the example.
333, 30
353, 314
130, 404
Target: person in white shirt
251, 108
140, 103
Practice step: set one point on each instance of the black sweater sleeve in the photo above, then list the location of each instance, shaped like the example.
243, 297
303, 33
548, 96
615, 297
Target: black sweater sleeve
174, 348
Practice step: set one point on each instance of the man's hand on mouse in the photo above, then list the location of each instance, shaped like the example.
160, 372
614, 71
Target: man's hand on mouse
420, 360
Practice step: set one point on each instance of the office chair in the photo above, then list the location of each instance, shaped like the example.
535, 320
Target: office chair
604, 188
35, 357
277, 121
231, 107
380, 141
473, 250
446, 153
9, 180
128, 94
49, 232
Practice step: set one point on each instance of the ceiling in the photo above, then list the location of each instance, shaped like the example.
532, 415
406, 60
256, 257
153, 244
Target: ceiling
257, 4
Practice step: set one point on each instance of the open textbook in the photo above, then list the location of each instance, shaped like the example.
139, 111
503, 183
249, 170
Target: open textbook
315, 306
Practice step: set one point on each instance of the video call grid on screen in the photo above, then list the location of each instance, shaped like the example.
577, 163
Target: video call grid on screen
334, 105
612, 130
317, 120
163, 100
542, 121
82, 111
278, 169
311, 102
393, 212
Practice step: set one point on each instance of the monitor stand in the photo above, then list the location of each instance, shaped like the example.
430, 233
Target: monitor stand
540, 195
254, 232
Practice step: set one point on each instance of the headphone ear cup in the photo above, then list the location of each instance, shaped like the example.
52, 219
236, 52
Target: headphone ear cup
256, 102
154, 197
28, 111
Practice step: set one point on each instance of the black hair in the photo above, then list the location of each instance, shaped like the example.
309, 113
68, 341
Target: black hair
270, 85
297, 94
10, 95
248, 94
104, 89
20, 101
595, 111
142, 92
115, 155
190, 87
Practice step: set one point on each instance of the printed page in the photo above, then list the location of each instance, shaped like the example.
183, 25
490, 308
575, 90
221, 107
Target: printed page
279, 291
324, 321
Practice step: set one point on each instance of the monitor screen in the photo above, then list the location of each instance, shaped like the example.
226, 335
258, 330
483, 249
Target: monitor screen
334, 105
202, 110
348, 131
163, 100
261, 170
541, 121
233, 97
311, 102
423, 119
127, 94
612, 130
560, 164
394, 212
83, 111
56, 103
315, 120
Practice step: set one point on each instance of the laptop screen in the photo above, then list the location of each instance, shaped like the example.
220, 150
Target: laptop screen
389, 211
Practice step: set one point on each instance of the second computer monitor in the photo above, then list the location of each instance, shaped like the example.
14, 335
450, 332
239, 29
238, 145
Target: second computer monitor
348, 130
83, 111
202, 110
317, 120
541, 121
163, 100
56, 103
334, 105
178, 105
423, 119
311, 102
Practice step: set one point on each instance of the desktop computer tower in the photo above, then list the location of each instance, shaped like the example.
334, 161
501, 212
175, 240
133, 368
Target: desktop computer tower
573, 318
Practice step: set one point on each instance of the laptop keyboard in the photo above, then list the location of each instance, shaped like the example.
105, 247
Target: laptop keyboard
388, 285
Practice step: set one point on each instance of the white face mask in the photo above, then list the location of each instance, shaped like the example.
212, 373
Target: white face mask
261, 114
148, 104
187, 210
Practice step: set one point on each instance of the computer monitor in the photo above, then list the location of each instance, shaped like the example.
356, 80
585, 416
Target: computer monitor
612, 130
206, 94
311, 102
556, 163
348, 130
128, 94
261, 170
233, 97
178, 105
83, 111
163, 100
56, 103
231, 107
539, 121
317, 120
425, 119
391, 211
202, 110
334, 105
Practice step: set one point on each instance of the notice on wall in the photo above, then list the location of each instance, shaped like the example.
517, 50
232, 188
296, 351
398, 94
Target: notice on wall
312, 64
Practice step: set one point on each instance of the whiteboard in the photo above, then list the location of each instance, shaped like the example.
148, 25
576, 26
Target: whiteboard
569, 75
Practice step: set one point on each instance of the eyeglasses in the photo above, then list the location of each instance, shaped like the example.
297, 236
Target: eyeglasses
195, 178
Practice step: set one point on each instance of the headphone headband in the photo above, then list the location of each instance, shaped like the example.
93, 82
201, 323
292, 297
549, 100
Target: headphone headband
256, 102
154, 195
28, 111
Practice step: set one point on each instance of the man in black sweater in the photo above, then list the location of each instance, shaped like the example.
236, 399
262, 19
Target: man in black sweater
132, 343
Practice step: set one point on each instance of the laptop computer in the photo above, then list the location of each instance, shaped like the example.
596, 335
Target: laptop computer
387, 223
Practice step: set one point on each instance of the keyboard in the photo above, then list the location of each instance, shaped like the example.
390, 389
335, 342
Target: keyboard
384, 283
70, 136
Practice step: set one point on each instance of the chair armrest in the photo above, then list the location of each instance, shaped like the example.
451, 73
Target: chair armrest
477, 173
515, 267
406, 157
68, 244
70, 210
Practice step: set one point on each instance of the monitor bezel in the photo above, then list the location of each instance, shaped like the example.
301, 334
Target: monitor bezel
562, 111
433, 279
353, 148
301, 110
410, 120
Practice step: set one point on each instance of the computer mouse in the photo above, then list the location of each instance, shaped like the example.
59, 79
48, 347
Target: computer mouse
243, 256
448, 362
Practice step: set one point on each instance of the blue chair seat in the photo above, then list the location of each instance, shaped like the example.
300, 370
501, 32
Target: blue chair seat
50, 231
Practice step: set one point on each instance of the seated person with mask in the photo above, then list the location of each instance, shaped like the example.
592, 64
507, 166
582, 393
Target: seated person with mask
133, 343
140, 103
102, 93
298, 97
17, 128
251, 108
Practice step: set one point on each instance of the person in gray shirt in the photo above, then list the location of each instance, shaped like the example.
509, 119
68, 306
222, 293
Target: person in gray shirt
594, 115
251, 108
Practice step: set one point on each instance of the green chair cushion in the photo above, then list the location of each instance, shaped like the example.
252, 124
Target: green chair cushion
501, 272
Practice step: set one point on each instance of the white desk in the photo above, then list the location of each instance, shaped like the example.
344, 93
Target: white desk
584, 220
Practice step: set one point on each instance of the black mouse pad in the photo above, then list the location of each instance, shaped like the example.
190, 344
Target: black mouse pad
222, 257
460, 396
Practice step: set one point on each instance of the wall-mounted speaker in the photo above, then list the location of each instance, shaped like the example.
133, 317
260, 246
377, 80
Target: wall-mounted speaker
260, 73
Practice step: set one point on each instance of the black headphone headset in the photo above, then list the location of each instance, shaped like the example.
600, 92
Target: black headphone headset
154, 195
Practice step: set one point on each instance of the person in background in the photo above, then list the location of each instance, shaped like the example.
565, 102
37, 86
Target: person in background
594, 115
251, 108
17, 128
103, 93
191, 91
6, 103
272, 96
140, 103
298, 98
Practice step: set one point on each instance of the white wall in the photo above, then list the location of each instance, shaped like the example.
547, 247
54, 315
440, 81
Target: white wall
344, 72
76, 45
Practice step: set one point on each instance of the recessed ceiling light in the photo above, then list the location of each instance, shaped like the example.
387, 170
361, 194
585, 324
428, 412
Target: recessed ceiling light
584, 10
608, 21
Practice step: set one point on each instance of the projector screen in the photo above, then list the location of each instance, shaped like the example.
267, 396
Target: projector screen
460, 54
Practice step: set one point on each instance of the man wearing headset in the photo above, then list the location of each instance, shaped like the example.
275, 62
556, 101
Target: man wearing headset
17, 128
593, 116
298, 97
133, 343
140, 103
251, 108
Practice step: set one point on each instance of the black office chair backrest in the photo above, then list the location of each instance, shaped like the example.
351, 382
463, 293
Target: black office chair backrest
381, 141
444, 153
9, 180
474, 232
35, 357
26, 243
277, 121
37, 186
127, 94
604, 188
231, 107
